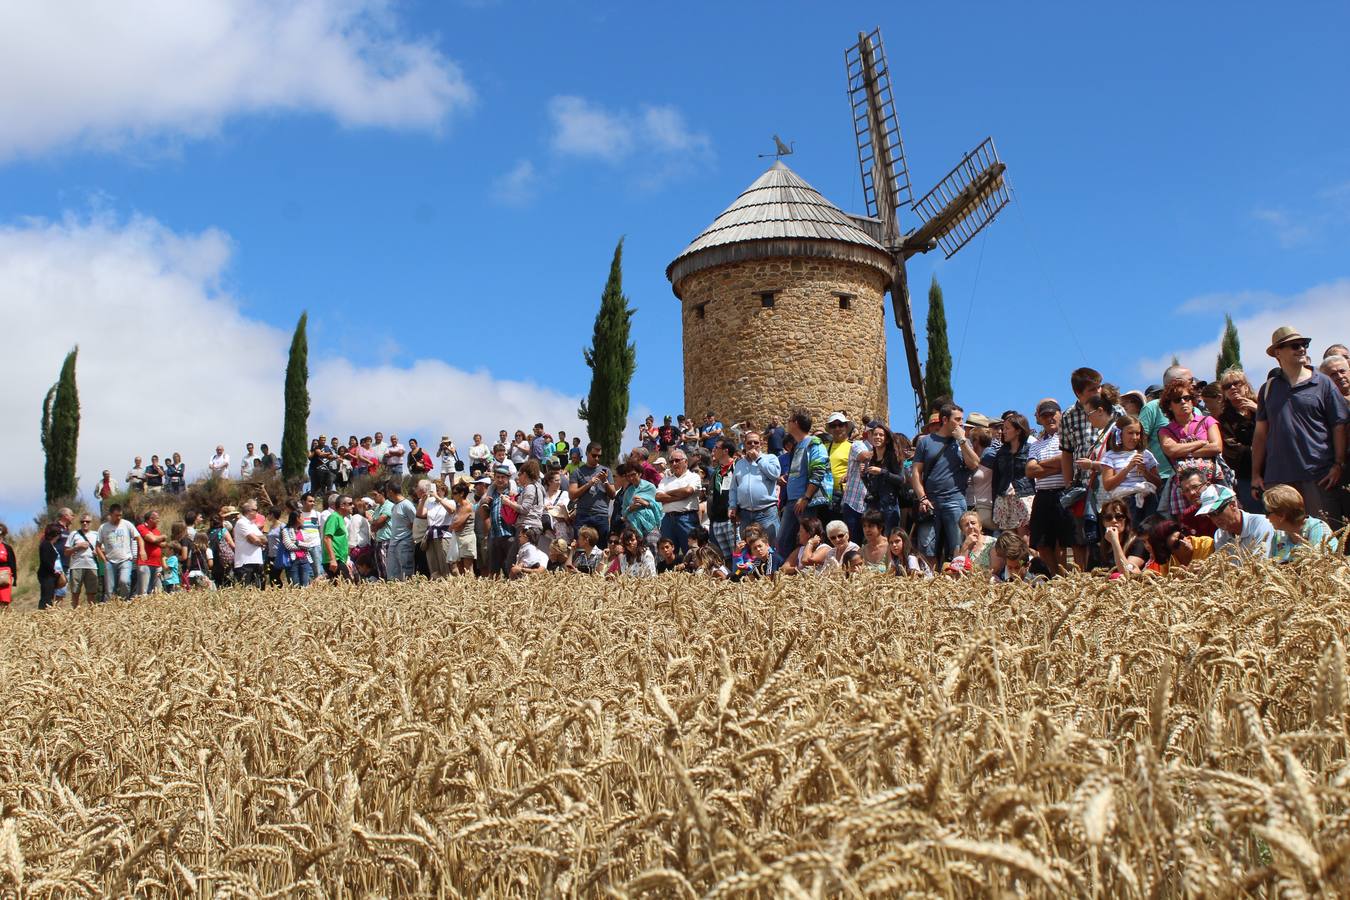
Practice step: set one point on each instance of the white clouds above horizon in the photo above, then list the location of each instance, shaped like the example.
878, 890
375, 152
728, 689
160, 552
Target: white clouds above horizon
169, 362
111, 75
654, 144
1320, 312
518, 186
584, 128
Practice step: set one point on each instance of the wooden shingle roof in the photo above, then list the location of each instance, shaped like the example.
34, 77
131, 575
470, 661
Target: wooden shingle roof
780, 214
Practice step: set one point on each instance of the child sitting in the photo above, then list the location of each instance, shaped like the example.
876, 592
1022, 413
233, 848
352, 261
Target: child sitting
666, 560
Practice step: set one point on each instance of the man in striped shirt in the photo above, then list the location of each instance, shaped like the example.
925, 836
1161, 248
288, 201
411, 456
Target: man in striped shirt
1052, 528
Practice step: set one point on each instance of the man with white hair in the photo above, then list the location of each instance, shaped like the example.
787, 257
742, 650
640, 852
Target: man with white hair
249, 544
220, 463
1337, 368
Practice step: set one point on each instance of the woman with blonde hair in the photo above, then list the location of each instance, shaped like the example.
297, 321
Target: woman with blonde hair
1237, 427
1295, 531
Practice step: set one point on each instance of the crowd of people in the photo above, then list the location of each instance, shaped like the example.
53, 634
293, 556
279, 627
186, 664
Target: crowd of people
1125, 483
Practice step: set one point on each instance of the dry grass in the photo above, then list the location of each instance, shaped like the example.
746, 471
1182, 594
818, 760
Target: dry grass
681, 738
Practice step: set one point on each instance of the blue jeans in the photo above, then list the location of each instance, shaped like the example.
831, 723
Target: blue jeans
1246, 499
853, 519
598, 521
298, 572
147, 580
399, 561
677, 526
943, 530
766, 518
117, 578
788, 525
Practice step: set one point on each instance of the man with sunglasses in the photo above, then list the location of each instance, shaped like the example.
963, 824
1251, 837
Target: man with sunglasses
1300, 437
82, 567
590, 489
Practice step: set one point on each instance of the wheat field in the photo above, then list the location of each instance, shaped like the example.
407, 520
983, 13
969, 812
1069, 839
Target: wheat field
681, 738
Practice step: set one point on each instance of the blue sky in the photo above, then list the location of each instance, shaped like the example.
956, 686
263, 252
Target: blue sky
441, 186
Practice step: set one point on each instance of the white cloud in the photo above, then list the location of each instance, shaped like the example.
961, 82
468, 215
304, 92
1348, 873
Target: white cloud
585, 129
1310, 221
106, 74
1319, 312
169, 362
582, 128
518, 186
1290, 230
665, 128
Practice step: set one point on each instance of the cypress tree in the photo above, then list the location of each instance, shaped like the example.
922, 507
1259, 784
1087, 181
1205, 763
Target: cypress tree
61, 432
612, 360
937, 370
294, 436
1230, 350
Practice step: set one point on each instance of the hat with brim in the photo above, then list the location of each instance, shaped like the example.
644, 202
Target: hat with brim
1214, 498
659, 461
1138, 395
229, 511
836, 418
934, 419
483, 480
501, 470
978, 419
1283, 335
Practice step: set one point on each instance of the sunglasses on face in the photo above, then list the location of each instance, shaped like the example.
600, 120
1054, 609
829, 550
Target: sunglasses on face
1113, 517
1184, 398
1295, 345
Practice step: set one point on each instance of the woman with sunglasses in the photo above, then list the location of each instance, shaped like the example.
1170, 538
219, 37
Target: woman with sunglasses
1237, 426
1190, 440
1126, 552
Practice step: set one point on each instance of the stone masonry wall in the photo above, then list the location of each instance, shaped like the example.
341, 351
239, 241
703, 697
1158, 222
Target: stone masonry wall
746, 361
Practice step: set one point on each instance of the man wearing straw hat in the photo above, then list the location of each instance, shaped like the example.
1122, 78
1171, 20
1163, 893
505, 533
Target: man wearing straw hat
1300, 437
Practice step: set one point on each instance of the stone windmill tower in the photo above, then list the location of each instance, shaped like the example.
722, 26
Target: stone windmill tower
783, 295
783, 304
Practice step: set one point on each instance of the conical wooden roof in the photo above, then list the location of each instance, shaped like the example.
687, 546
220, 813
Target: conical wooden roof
780, 214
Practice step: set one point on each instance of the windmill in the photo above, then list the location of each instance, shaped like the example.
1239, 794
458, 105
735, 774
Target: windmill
950, 215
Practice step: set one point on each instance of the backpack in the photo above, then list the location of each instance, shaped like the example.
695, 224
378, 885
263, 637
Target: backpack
284, 558
221, 549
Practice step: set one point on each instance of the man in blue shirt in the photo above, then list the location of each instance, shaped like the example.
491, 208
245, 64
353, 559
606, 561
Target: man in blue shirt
754, 487
809, 481
942, 465
773, 437
711, 432
1300, 437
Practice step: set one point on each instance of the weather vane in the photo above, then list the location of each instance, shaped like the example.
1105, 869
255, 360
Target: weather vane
781, 150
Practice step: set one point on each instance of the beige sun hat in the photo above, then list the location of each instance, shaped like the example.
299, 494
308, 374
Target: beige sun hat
1283, 335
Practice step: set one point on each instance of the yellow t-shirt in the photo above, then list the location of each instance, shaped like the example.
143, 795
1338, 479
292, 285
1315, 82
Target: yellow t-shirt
1201, 548
839, 462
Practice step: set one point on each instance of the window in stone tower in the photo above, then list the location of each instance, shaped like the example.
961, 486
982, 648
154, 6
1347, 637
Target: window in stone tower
700, 309
845, 300
766, 298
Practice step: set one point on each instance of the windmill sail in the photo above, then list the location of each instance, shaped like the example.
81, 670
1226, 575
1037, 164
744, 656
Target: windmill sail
962, 203
876, 128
